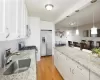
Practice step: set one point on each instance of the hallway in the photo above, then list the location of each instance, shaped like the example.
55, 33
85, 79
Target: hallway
46, 70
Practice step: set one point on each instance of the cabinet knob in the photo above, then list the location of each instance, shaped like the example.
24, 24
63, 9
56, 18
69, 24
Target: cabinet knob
79, 68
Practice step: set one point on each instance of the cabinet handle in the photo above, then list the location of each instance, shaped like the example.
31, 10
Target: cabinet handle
79, 68
73, 71
70, 69
7, 35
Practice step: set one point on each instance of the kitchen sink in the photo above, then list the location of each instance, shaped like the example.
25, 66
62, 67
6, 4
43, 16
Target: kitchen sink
10, 69
23, 65
18, 66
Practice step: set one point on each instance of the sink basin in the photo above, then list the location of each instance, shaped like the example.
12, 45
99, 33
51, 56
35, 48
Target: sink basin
10, 69
23, 65
18, 66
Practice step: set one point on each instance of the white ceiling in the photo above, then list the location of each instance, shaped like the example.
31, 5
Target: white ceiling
83, 17
37, 8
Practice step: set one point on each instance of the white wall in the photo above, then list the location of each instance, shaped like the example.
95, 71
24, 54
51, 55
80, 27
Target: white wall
44, 25
36, 25
73, 37
34, 39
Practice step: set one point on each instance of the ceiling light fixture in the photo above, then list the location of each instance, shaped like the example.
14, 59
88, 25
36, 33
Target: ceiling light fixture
77, 30
67, 16
72, 23
49, 7
93, 1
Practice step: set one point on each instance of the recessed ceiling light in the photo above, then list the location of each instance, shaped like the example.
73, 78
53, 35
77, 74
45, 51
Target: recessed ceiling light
77, 10
72, 23
49, 7
93, 1
67, 16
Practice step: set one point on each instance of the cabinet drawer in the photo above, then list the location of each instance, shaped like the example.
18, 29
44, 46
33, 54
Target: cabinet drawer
93, 76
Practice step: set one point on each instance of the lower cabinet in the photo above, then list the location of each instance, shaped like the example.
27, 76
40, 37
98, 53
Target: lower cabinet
80, 73
69, 69
94, 76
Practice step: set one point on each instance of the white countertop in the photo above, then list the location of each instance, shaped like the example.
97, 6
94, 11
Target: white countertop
30, 74
85, 59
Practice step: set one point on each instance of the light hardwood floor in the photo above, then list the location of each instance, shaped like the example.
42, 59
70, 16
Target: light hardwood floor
46, 70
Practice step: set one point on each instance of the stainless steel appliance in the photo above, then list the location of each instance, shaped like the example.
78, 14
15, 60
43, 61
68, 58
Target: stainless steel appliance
46, 43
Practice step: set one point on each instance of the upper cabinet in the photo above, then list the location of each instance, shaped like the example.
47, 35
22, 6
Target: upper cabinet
2, 20
22, 19
13, 23
11, 19
1, 15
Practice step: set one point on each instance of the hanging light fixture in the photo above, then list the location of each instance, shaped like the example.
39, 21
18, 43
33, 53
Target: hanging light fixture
49, 7
77, 30
93, 29
67, 33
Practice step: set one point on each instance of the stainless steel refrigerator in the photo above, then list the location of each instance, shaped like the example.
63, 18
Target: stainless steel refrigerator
46, 43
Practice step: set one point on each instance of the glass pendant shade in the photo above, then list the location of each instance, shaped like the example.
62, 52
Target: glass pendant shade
77, 32
94, 30
67, 33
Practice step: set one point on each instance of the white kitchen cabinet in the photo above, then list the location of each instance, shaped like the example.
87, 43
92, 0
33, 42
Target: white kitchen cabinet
2, 20
69, 69
56, 60
1, 16
55, 57
66, 69
93, 76
79, 72
22, 18
11, 18
60, 61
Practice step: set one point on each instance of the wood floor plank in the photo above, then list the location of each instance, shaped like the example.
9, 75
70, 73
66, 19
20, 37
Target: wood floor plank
46, 70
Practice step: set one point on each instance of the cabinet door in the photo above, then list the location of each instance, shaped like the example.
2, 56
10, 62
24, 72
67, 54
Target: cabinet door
22, 14
58, 61
80, 73
2, 20
65, 67
93, 76
1, 16
62, 64
55, 58
69, 68
11, 18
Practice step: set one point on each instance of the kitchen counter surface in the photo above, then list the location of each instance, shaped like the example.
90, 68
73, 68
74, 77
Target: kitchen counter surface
85, 59
29, 74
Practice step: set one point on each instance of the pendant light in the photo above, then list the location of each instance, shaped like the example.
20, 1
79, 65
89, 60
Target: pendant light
93, 29
67, 33
77, 30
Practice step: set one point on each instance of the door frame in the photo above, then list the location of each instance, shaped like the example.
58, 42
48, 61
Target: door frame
52, 38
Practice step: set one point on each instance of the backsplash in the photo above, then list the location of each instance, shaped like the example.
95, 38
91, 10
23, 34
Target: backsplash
6, 45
